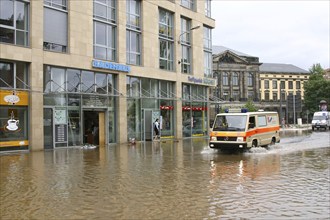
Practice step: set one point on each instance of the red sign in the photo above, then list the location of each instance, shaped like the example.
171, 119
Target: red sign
166, 107
188, 108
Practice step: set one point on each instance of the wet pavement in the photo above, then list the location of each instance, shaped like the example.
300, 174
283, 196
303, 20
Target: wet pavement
171, 180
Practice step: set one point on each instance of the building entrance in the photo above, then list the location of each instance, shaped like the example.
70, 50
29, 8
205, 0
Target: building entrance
94, 127
149, 116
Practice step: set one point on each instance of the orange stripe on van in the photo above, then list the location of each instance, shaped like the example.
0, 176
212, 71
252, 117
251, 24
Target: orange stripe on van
245, 134
262, 130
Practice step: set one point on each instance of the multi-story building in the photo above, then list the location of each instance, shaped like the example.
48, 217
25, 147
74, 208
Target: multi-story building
282, 89
271, 86
101, 71
237, 79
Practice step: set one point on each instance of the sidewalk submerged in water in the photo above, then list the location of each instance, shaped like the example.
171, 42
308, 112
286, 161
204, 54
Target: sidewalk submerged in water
297, 127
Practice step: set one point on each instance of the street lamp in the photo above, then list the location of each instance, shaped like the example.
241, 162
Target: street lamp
191, 29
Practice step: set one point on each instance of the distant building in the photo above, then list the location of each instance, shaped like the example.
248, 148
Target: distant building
282, 89
241, 77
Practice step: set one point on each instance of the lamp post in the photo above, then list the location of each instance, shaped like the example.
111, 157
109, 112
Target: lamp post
281, 109
191, 29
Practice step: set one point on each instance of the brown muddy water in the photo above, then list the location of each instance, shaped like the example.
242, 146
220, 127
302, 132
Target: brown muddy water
170, 180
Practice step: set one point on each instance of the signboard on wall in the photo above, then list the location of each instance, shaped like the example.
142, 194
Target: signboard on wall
60, 133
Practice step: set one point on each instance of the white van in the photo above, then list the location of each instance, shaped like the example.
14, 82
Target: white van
321, 120
244, 130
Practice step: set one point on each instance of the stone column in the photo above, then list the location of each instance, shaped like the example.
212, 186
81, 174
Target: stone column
178, 112
36, 130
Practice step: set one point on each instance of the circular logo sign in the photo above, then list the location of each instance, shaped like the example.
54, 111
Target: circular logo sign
13, 99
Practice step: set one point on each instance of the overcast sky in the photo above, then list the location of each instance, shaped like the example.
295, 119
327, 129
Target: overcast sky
291, 32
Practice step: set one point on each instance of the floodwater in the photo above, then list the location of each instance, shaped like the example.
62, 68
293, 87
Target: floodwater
170, 180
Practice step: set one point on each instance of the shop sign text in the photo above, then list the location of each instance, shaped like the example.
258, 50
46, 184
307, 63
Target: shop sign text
111, 66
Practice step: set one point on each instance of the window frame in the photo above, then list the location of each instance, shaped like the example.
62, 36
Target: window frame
13, 27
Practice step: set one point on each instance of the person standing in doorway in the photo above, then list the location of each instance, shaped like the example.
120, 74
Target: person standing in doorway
156, 129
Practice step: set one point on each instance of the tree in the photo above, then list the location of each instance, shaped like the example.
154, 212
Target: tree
250, 106
317, 88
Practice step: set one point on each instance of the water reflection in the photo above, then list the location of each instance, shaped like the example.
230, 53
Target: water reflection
169, 180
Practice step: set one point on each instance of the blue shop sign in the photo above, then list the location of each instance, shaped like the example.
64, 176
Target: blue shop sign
205, 81
111, 66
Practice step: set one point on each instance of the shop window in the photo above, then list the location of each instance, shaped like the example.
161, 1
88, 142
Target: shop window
14, 75
14, 124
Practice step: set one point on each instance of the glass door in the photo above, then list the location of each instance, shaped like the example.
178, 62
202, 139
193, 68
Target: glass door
48, 128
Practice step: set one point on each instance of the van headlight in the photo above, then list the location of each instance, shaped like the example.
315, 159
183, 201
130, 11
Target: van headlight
213, 138
240, 139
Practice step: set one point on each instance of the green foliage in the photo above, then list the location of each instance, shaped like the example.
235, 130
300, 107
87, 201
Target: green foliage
250, 106
317, 88
316, 69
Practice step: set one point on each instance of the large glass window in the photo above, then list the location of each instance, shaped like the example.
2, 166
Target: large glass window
165, 40
133, 33
73, 80
15, 120
282, 84
250, 79
133, 10
185, 41
290, 85
14, 75
133, 47
235, 79
55, 25
194, 110
14, 22
266, 84
208, 8
297, 84
104, 41
274, 83
207, 52
105, 30
105, 10
225, 79
188, 4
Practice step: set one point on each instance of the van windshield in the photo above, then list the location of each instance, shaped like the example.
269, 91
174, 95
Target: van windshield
230, 123
319, 117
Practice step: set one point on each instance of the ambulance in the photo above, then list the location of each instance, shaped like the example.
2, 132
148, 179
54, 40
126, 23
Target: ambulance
321, 120
233, 131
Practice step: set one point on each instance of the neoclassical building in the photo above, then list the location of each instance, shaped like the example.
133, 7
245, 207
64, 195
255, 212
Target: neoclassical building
101, 72
241, 77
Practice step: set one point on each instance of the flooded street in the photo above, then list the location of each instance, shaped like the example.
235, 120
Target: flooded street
170, 180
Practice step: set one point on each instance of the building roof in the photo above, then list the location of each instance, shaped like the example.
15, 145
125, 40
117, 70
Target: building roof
280, 68
221, 49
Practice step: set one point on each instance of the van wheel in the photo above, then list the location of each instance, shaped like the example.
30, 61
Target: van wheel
254, 143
